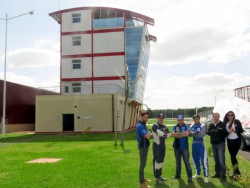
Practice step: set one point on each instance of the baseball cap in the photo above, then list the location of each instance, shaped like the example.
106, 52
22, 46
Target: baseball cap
160, 115
180, 117
196, 116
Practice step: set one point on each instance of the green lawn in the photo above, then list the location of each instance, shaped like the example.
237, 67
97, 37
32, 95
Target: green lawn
89, 161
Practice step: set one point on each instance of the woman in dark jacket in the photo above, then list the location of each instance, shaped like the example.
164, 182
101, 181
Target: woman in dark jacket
234, 128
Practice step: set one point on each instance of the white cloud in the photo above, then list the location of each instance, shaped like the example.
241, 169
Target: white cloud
200, 90
32, 57
200, 30
19, 79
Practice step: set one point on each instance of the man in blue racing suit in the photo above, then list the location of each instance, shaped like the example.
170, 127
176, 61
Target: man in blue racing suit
198, 132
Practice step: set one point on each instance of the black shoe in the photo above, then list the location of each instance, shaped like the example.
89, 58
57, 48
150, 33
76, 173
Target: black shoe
176, 177
232, 176
224, 178
163, 178
159, 181
190, 181
215, 176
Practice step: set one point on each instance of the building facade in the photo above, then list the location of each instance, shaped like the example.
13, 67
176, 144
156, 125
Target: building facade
20, 106
102, 50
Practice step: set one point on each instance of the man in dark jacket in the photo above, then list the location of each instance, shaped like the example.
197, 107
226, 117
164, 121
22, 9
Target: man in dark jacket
217, 132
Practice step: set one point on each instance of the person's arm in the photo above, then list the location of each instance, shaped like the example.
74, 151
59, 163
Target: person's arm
211, 131
148, 135
144, 132
184, 134
174, 134
157, 130
239, 128
191, 133
201, 133
223, 130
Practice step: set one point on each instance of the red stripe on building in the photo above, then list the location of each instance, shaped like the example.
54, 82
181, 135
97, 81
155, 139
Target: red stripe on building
94, 78
93, 55
93, 31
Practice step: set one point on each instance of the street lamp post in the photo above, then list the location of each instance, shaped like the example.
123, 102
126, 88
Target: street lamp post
6, 19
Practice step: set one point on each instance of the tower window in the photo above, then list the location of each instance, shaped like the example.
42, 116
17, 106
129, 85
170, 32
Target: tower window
76, 63
76, 18
76, 40
76, 87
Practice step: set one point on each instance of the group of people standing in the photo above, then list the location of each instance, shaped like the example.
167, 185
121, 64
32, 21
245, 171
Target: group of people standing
229, 129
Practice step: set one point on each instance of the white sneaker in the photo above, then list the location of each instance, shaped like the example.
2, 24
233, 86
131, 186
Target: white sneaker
196, 176
206, 180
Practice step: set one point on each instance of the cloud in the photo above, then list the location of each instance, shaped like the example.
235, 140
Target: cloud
19, 79
198, 30
189, 92
34, 57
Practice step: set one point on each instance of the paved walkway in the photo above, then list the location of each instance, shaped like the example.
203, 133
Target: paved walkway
245, 154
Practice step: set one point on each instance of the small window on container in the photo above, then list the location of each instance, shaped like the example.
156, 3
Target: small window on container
66, 89
76, 18
76, 64
76, 87
76, 41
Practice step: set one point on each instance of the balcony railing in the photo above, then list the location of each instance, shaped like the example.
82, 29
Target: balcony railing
97, 89
243, 93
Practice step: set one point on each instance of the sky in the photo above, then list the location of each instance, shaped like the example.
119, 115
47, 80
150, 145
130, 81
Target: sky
201, 55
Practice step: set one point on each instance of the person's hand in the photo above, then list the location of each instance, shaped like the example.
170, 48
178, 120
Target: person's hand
232, 130
149, 135
169, 135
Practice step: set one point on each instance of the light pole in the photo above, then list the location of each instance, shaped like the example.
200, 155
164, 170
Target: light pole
6, 19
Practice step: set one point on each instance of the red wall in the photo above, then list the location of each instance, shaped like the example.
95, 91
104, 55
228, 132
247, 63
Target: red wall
20, 102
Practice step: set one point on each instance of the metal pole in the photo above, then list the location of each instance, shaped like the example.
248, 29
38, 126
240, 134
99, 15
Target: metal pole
4, 82
6, 19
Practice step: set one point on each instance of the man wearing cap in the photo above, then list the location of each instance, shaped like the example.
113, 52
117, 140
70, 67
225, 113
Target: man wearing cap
143, 135
160, 133
180, 132
199, 153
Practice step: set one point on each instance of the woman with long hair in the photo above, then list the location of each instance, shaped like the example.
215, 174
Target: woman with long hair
234, 128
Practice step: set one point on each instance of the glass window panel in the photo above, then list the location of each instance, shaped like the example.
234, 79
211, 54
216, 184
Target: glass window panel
76, 18
66, 89
108, 23
132, 54
133, 46
134, 31
76, 87
133, 38
130, 23
76, 40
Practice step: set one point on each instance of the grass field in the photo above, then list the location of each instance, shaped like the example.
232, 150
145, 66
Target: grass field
90, 161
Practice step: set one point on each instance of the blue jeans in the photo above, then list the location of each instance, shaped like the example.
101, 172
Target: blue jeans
185, 155
219, 158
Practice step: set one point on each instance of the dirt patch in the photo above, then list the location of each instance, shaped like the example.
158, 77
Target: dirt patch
45, 160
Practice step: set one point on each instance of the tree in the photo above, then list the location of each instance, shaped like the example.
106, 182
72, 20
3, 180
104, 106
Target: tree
125, 108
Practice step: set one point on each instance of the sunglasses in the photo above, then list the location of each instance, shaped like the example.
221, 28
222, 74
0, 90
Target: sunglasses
230, 115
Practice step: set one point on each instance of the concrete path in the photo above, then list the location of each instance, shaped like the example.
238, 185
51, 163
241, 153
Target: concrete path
245, 154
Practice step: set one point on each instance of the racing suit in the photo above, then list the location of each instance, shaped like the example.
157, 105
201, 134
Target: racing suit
198, 131
160, 132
